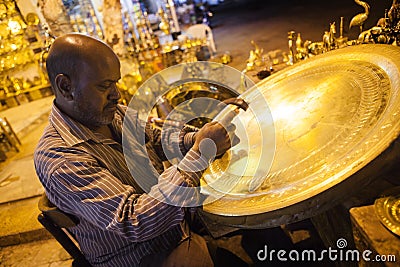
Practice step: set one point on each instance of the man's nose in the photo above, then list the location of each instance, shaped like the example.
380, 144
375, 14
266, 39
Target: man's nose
114, 93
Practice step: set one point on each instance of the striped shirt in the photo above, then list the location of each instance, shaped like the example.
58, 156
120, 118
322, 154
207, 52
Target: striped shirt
86, 175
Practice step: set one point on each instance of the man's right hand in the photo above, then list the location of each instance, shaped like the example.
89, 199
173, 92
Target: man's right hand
215, 138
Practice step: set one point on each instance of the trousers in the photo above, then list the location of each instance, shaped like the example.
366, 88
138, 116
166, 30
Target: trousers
191, 252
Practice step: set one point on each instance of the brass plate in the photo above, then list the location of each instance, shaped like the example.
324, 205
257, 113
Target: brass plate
333, 115
388, 210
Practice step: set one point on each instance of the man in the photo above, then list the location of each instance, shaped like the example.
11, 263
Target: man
81, 164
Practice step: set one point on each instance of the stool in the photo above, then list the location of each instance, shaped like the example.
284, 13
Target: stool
57, 223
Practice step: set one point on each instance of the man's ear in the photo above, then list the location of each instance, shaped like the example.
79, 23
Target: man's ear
63, 83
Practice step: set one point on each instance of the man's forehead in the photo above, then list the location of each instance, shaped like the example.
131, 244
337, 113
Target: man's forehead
101, 64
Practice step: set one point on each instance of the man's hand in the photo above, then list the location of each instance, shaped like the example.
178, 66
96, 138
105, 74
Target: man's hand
215, 138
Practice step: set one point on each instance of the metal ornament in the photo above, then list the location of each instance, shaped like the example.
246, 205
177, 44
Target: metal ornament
359, 19
387, 208
334, 115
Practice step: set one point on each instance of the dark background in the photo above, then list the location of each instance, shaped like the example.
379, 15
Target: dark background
236, 22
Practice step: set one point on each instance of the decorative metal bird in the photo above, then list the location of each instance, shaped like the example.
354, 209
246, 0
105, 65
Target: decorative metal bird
359, 19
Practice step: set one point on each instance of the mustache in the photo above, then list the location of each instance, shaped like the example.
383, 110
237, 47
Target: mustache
112, 103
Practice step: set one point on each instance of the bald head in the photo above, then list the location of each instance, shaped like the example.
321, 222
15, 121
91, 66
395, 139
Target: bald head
71, 52
84, 73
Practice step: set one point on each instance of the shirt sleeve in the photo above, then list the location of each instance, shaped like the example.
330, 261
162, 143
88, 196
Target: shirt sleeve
179, 185
171, 142
82, 187
89, 191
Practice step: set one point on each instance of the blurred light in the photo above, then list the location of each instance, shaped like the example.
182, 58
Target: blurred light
14, 26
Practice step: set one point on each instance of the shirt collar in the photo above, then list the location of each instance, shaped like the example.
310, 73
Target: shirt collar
73, 132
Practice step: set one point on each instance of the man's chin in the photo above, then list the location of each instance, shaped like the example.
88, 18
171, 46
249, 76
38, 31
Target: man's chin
107, 120
98, 122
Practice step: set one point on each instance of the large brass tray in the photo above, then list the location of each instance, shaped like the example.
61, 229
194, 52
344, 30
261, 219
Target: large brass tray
334, 117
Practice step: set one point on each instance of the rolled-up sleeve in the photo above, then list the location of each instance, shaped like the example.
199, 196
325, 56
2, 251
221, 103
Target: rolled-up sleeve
171, 142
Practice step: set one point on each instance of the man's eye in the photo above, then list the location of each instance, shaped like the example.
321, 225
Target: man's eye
105, 86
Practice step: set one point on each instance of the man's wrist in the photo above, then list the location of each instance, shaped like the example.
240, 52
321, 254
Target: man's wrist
189, 140
193, 165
